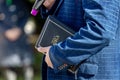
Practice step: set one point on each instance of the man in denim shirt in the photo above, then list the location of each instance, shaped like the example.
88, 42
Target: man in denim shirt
95, 44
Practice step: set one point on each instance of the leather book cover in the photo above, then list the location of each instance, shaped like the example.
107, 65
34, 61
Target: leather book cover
53, 31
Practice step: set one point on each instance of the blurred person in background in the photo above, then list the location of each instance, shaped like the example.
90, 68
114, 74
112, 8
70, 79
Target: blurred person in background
15, 50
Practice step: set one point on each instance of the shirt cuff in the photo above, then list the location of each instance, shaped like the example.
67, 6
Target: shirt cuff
58, 65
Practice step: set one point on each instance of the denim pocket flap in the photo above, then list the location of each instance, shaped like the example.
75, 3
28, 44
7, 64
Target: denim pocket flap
88, 68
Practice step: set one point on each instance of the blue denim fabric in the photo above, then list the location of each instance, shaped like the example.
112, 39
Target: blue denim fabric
97, 36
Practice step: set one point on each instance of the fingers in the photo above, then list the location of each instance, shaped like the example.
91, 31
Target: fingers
48, 4
44, 50
48, 61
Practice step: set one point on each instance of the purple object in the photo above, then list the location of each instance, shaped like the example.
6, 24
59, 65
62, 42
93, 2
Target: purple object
34, 12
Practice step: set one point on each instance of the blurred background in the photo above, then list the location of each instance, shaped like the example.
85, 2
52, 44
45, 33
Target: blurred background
32, 28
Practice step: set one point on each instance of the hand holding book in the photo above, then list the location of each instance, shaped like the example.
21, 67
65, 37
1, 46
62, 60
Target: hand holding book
52, 32
45, 51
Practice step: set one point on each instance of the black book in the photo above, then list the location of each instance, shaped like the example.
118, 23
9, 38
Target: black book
53, 32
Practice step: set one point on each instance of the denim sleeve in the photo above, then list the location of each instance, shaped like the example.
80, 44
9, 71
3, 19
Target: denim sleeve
101, 18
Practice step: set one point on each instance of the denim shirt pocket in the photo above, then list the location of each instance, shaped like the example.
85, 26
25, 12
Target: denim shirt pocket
88, 69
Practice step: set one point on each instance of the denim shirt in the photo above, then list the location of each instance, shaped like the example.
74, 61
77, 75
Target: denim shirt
96, 26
